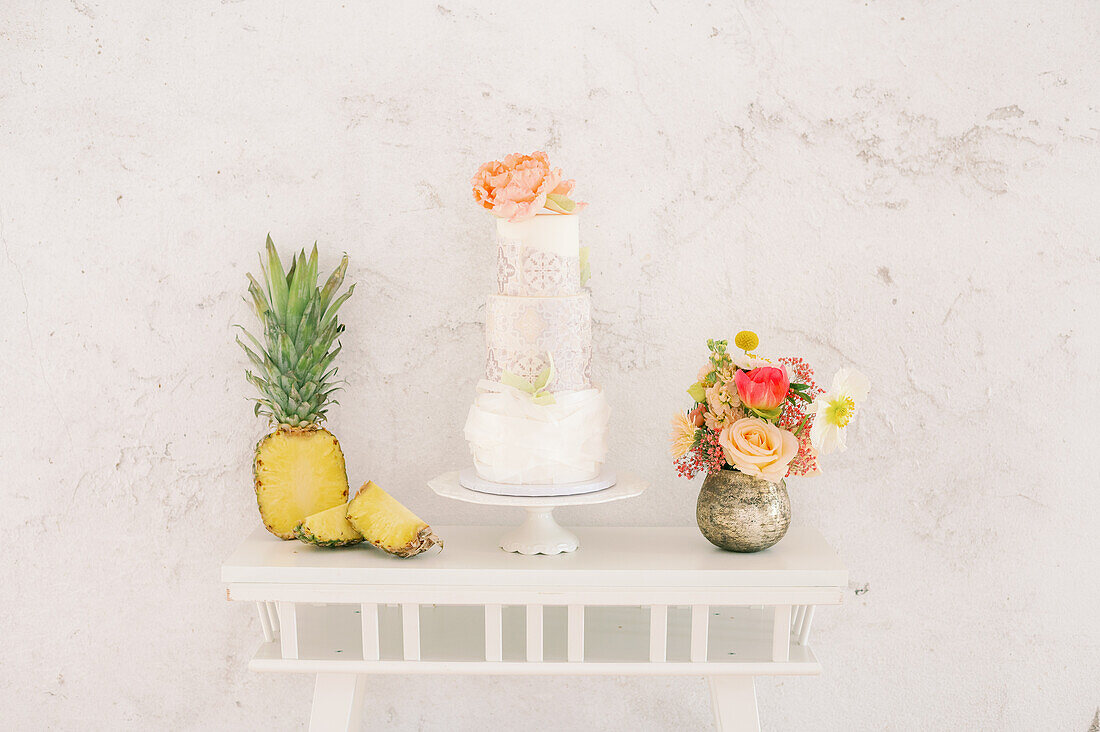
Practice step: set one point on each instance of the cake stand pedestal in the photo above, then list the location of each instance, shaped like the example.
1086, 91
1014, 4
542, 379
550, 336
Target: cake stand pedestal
540, 533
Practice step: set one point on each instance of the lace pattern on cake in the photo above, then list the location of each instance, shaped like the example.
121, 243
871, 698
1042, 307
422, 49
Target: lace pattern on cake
530, 272
521, 331
543, 324
571, 367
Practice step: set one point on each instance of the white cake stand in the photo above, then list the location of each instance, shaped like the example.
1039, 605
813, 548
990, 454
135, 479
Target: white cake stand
539, 533
470, 479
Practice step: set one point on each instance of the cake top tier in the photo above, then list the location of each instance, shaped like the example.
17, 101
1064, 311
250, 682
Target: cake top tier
539, 257
554, 233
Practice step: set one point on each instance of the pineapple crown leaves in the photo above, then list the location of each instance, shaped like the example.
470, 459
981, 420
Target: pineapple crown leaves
292, 360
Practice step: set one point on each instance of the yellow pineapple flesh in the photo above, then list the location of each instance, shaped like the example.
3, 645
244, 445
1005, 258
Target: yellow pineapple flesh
388, 525
328, 528
298, 472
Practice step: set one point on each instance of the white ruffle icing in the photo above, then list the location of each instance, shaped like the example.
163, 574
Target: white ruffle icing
513, 440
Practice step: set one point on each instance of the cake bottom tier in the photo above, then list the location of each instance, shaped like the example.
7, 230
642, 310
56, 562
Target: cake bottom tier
514, 440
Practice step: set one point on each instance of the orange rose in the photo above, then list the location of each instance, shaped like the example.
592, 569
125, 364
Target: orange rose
758, 448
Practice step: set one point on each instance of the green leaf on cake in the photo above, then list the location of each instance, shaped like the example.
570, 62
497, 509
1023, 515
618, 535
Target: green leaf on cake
586, 269
517, 382
559, 203
543, 378
536, 388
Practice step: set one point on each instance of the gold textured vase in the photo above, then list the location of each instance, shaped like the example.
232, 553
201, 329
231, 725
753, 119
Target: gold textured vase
740, 513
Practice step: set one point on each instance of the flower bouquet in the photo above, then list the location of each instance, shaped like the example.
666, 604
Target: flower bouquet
753, 423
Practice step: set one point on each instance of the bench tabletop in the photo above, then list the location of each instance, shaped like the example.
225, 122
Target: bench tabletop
628, 557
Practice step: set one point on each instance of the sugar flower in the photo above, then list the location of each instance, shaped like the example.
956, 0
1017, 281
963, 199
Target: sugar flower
522, 186
759, 448
834, 410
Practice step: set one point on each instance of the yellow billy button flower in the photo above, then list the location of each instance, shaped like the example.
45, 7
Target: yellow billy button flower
747, 341
833, 411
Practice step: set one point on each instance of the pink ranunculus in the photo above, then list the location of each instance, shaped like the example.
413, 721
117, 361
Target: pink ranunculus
763, 388
516, 188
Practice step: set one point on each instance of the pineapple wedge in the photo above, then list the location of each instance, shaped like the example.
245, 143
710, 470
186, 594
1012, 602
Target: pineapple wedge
328, 528
384, 522
298, 472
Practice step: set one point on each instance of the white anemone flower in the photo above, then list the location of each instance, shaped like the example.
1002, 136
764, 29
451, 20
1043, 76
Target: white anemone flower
834, 410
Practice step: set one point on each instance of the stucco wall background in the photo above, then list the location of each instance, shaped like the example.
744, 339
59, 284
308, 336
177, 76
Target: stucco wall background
908, 188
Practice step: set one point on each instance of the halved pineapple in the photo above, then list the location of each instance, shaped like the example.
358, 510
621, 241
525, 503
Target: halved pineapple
298, 469
328, 528
384, 522
298, 472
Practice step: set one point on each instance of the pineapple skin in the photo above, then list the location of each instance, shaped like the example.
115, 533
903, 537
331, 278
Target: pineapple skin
302, 534
283, 500
387, 524
329, 528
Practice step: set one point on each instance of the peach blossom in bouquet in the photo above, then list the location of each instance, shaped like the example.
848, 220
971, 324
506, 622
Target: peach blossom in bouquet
722, 406
522, 186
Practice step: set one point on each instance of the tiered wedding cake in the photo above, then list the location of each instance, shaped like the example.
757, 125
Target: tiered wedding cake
537, 418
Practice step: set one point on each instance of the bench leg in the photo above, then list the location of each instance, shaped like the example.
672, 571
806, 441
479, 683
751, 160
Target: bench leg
337, 701
733, 699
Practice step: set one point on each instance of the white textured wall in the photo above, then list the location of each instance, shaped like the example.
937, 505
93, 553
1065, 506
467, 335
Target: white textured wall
910, 188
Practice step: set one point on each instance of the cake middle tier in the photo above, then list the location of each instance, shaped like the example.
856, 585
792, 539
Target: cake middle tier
523, 333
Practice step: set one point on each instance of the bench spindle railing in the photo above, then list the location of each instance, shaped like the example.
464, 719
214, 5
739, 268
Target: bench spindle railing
273, 616
658, 633
265, 621
288, 629
781, 633
494, 637
368, 613
700, 625
410, 631
807, 620
534, 633
790, 624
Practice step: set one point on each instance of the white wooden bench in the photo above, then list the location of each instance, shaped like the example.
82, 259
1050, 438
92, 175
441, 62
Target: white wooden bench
657, 601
